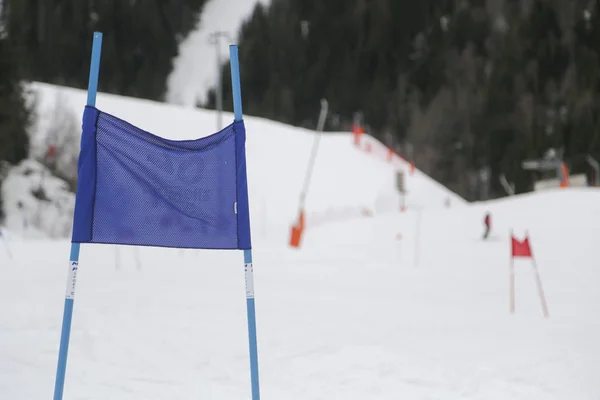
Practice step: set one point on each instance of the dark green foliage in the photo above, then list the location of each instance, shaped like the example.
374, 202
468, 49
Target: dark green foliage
141, 38
470, 84
14, 114
50, 41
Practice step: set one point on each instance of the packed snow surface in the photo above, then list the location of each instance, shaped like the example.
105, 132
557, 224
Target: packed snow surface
410, 305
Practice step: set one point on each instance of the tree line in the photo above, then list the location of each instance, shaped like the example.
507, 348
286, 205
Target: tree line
473, 86
50, 41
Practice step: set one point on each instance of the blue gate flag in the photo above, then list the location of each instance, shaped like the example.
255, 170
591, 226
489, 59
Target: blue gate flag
137, 188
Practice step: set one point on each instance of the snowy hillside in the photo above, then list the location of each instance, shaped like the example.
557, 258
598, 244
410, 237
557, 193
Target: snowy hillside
195, 69
277, 158
354, 315
37, 204
409, 305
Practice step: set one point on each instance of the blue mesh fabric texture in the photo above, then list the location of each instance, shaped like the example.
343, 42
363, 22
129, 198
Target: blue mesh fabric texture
137, 188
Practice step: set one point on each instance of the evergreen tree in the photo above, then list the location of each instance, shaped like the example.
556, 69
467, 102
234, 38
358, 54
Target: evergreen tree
473, 85
14, 114
141, 38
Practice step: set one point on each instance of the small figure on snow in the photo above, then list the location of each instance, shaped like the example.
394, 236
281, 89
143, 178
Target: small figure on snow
488, 225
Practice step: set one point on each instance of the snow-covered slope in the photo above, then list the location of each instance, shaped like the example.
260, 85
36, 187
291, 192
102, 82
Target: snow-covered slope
357, 313
344, 176
195, 69
37, 204
354, 315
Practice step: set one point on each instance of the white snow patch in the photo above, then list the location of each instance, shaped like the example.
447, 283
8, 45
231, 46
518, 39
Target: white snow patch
195, 69
36, 203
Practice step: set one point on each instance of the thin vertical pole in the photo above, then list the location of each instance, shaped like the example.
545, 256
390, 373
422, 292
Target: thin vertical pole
236, 85
511, 278
74, 258
417, 236
314, 151
94, 69
248, 268
252, 341
511, 285
538, 282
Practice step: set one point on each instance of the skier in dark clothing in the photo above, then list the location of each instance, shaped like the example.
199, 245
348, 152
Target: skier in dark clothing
488, 225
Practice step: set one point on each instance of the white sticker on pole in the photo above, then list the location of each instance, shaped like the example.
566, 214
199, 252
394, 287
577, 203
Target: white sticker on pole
72, 280
249, 272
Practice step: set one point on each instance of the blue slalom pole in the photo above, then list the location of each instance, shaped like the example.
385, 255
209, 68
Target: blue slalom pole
94, 69
59, 383
236, 85
249, 271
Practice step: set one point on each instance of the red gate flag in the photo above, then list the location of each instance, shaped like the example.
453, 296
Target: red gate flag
521, 249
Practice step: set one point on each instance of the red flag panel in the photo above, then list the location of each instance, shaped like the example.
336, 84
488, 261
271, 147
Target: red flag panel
520, 249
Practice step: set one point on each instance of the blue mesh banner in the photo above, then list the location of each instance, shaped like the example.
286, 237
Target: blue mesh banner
136, 188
